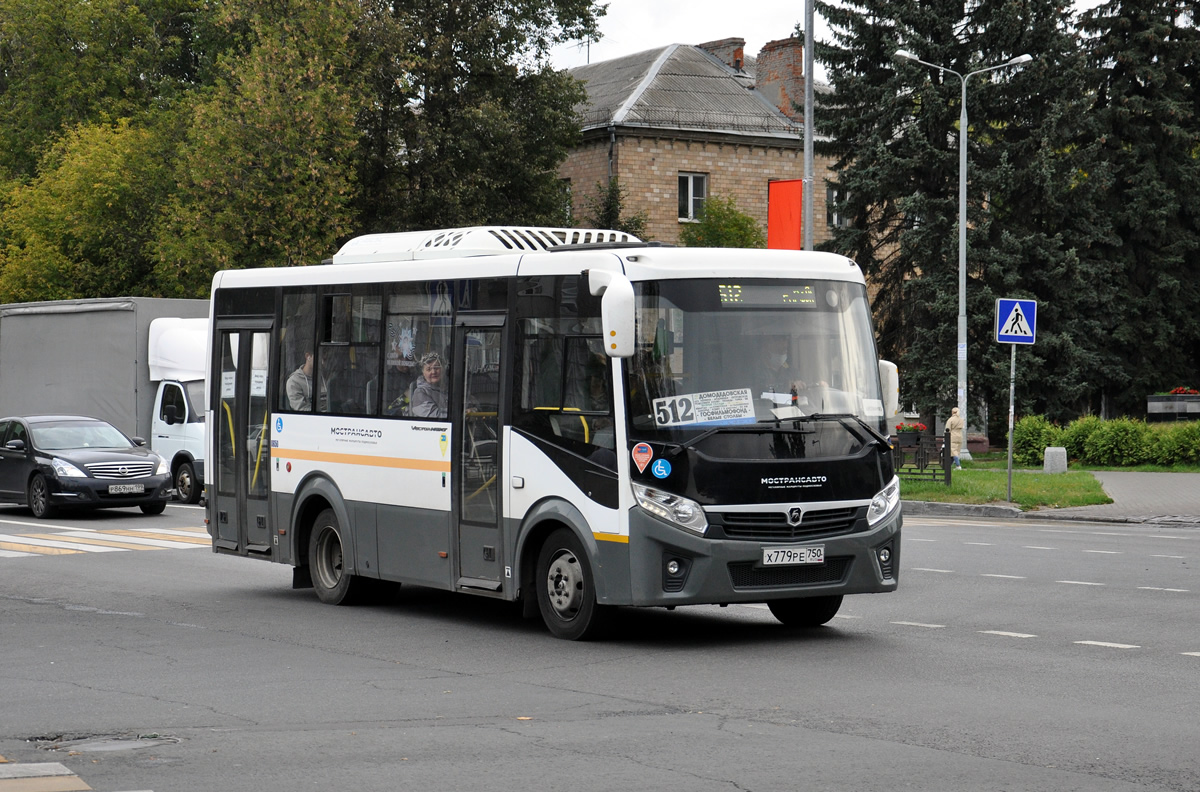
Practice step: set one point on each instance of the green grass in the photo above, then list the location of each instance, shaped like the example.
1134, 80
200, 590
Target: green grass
1029, 490
998, 460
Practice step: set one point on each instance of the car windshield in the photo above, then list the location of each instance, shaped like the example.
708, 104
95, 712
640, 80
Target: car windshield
65, 435
724, 352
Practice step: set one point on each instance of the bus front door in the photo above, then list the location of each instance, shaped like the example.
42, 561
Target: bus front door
478, 374
243, 452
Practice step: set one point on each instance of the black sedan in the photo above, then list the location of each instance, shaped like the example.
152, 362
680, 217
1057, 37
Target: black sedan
52, 461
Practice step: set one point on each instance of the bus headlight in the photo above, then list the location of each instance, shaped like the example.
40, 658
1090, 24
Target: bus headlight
680, 511
885, 502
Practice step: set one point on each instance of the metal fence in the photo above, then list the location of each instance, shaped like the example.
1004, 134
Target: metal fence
920, 456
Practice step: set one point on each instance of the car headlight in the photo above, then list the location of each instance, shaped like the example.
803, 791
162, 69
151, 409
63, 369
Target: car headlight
65, 469
163, 467
885, 502
675, 509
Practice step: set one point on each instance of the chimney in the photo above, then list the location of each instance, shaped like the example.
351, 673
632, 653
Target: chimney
779, 76
731, 51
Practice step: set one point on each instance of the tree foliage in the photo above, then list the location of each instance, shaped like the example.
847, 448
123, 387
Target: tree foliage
1049, 179
83, 227
289, 125
606, 209
723, 225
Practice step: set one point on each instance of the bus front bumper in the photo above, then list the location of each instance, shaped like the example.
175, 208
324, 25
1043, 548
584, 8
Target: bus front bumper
718, 571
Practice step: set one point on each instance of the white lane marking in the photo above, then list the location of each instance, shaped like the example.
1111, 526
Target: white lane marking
1108, 645
1079, 583
927, 569
1105, 552
846, 616
1036, 547
980, 544
915, 539
1156, 588
138, 540
13, 554
919, 624
1191, 654
1006, 577
1177, 558
1007, 634
87, 548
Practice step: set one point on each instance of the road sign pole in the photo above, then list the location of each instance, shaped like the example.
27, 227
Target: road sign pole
1012, 384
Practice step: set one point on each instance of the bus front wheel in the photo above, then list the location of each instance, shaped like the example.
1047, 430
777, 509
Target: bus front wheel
566, 590
805, 611
326, 562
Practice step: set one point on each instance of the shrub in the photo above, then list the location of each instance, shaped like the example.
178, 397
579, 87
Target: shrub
1123, 442
1031, 435
1075, 436
1175, 444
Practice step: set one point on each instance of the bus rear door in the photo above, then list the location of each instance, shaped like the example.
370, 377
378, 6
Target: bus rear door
242, 470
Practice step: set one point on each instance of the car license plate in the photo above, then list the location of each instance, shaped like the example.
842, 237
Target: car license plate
788, 556
126, 489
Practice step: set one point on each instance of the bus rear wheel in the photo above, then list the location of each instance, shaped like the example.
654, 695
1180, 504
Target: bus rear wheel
326, 562
805, 611
566, 591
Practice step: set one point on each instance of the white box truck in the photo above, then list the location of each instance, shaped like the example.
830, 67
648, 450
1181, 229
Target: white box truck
136, 362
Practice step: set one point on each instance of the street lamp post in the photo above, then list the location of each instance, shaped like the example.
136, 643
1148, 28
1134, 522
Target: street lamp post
905, 55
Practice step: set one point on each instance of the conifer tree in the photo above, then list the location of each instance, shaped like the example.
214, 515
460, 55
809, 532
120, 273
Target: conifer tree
1145, 55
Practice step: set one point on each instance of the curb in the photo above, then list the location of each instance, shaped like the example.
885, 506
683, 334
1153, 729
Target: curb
939, 509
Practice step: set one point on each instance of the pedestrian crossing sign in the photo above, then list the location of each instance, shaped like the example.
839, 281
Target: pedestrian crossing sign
1016, 321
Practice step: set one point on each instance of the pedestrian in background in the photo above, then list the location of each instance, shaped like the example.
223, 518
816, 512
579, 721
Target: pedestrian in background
954, 425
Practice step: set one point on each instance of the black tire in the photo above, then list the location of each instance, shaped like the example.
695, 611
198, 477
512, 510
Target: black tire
326, 564
805, 611
39, 498
188, 490
566, 591
158, 507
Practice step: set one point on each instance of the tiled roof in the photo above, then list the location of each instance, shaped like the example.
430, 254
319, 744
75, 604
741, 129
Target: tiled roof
677, 87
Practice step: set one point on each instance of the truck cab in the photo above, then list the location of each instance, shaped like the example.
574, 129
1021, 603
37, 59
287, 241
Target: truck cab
176, 355
177, 434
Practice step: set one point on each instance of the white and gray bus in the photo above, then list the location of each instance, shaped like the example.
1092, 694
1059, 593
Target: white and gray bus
571, 419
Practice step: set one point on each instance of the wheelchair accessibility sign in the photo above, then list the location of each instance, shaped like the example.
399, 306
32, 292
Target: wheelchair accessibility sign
1016, 321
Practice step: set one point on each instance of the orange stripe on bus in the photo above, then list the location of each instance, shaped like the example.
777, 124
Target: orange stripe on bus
362, 459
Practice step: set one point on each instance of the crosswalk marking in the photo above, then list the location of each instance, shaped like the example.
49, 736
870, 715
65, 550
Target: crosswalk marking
146, 539
188, 537
88, 540
29, 549
77, 538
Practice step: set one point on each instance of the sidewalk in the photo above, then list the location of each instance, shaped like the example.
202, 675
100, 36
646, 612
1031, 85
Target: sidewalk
1154, 498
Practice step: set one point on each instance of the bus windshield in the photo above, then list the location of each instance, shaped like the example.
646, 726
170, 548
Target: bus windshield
726, 352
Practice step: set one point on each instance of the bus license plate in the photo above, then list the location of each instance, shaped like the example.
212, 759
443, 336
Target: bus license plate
126, 489
788, 556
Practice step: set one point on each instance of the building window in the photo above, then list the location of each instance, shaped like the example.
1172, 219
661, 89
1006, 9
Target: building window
693, 187
834, 218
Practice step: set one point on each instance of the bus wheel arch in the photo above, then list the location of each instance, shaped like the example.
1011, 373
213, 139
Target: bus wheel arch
313, 498
558, 556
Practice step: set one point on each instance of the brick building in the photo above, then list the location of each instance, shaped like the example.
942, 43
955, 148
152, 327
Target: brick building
680, 123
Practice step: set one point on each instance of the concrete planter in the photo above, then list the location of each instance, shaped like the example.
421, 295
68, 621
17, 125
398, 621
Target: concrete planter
1173, 408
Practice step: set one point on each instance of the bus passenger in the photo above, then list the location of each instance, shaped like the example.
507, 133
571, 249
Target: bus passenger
299, 386
429, 399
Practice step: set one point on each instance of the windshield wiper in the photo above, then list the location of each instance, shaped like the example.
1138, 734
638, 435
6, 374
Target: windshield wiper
843, 417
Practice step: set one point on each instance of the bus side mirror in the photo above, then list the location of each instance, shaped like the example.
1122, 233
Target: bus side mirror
616, 310
889, 381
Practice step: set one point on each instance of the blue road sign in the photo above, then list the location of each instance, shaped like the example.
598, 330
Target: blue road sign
1016, 321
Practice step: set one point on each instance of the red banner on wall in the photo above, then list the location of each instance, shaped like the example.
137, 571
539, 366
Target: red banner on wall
785, 210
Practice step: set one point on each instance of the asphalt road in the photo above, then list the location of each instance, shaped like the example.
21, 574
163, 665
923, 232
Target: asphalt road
1016, 655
